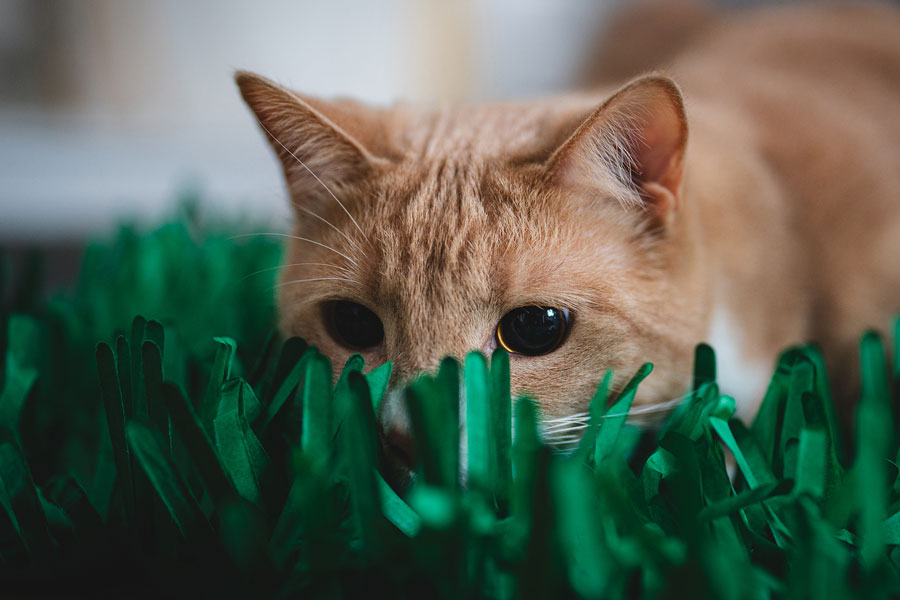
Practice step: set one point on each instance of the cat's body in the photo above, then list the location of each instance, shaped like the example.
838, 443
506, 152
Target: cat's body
769, 216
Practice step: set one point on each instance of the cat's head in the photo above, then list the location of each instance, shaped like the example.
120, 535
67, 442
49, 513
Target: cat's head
426, 233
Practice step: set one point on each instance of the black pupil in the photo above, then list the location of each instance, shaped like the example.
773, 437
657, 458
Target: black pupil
356, 326
532, 330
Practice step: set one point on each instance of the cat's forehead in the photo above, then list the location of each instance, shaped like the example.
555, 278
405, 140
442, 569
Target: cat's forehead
484, 131
439, 231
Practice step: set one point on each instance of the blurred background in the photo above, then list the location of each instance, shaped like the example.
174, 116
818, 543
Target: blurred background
114, 109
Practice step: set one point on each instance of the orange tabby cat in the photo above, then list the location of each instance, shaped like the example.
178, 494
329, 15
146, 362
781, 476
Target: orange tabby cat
751, 200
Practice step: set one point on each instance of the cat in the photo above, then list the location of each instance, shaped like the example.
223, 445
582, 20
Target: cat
747, 196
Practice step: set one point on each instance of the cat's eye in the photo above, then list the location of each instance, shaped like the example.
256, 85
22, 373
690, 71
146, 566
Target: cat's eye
353, 325
532, 330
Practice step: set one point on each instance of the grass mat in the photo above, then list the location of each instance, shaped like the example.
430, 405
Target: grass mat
169, 460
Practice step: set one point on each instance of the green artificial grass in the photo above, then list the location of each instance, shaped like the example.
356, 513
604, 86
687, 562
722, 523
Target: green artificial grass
166, 461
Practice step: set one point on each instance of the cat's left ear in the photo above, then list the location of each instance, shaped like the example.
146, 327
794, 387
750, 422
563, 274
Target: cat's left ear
632, 145
321, 145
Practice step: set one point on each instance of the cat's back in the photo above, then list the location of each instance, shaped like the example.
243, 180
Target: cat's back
812, 92
815, 87
790, 60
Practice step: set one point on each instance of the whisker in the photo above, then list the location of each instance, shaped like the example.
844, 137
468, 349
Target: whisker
302, 264
284, 283
330, 224
558, 426
650, 408
297, 237
561, 431
316, 177
573, 415
561, 428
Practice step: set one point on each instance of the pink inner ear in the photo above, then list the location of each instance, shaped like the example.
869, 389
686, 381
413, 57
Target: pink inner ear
660, 147
637, 137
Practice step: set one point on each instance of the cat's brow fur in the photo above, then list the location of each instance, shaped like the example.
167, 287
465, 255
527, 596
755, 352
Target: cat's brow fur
773, 194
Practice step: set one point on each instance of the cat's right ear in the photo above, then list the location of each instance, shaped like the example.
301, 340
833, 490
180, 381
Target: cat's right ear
318, 155
632, 146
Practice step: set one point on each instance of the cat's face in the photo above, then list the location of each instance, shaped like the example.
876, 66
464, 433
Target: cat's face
418, 233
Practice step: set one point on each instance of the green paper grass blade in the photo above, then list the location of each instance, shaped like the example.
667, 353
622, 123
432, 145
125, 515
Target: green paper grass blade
614, 418
19, 383
539, 566
378, 379
153, 380
24, 342
690, 418
175, 358
527, 441
448, 380
478, 422
171, 489
794, 420
427, 422
397, 511
501, 433
817, 415
248, 405
890, 529
355, 364
580, 531
123, 375
597, 408
437, 508
704, 365
138, 331
732, 504
287, 387
811, 473
720, 426
897, 348
874, 437
115, 420
823, 391
242, 529
317, 408
261, 372
290, 353
221, 372
747, 446
432, 404
359, 443
307, 520
238, 448
765, 425
156, 333
68, 494
22, 500
23, 335
198, 444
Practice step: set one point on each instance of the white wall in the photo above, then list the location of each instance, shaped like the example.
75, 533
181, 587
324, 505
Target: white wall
122, 103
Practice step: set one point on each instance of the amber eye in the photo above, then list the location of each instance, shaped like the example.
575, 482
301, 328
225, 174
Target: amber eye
532, 330
353, 325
